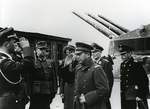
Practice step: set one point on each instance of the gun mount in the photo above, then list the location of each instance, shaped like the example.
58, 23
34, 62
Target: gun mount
139, 39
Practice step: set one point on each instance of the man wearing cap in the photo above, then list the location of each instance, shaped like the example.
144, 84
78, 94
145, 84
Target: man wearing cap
24, 84
67, 74
134, 81
10, 71
91, 86
96, 53
45, 80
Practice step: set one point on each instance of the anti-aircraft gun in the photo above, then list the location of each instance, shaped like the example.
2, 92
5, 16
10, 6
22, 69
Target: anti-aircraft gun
139, 39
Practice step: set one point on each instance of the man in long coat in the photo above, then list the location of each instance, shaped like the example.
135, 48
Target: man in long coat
96, 53
91, 82
67, 74
133, 79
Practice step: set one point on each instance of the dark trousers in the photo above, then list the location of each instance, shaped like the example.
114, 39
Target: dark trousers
108, 104
40, 101
133, 104
10, 102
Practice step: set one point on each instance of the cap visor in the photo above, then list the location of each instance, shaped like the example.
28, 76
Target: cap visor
43, 47
96, 50
78, 52
122, 53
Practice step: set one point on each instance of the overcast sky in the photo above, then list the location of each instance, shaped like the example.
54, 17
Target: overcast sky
55, 17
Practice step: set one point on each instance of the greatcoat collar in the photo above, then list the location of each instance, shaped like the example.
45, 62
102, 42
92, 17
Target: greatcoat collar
89, 62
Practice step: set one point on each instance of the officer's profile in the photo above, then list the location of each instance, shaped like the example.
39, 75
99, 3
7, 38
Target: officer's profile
10, 70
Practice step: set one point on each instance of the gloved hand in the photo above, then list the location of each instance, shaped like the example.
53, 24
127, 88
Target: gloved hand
138, 99
82, 99
23, 42
63, 97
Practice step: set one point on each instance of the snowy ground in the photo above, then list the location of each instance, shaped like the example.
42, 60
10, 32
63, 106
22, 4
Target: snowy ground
115, 98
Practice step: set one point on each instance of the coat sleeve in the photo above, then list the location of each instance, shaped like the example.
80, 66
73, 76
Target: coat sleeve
28, 62
101, 85
62, 83
142, 80
54, 79
12, 69
109, 73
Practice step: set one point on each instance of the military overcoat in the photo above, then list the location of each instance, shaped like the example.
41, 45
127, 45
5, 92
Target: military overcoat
133, 73
92, 82
67, 85
12, 69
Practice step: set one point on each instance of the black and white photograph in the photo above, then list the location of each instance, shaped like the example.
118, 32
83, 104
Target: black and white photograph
74, 54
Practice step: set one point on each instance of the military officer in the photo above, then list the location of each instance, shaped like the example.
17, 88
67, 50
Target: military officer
133, 78
91, 84
67, 73
45, 80
23, 93
96, 53
10, 71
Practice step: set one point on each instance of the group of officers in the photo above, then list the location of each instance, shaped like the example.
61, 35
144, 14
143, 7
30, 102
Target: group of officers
85, 77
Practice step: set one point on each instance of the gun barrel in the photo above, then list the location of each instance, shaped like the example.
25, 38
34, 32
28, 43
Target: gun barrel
101, 29
118, 26
108, 25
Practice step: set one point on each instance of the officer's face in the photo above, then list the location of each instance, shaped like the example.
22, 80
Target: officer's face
125, 56
96, 55
67, 52
10, 45
47, 51
81, 57
41, 52
17, 48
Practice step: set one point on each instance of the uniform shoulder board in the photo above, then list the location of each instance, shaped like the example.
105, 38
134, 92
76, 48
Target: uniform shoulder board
96, 66
2, 58
78, 66
106, 60
135, 60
